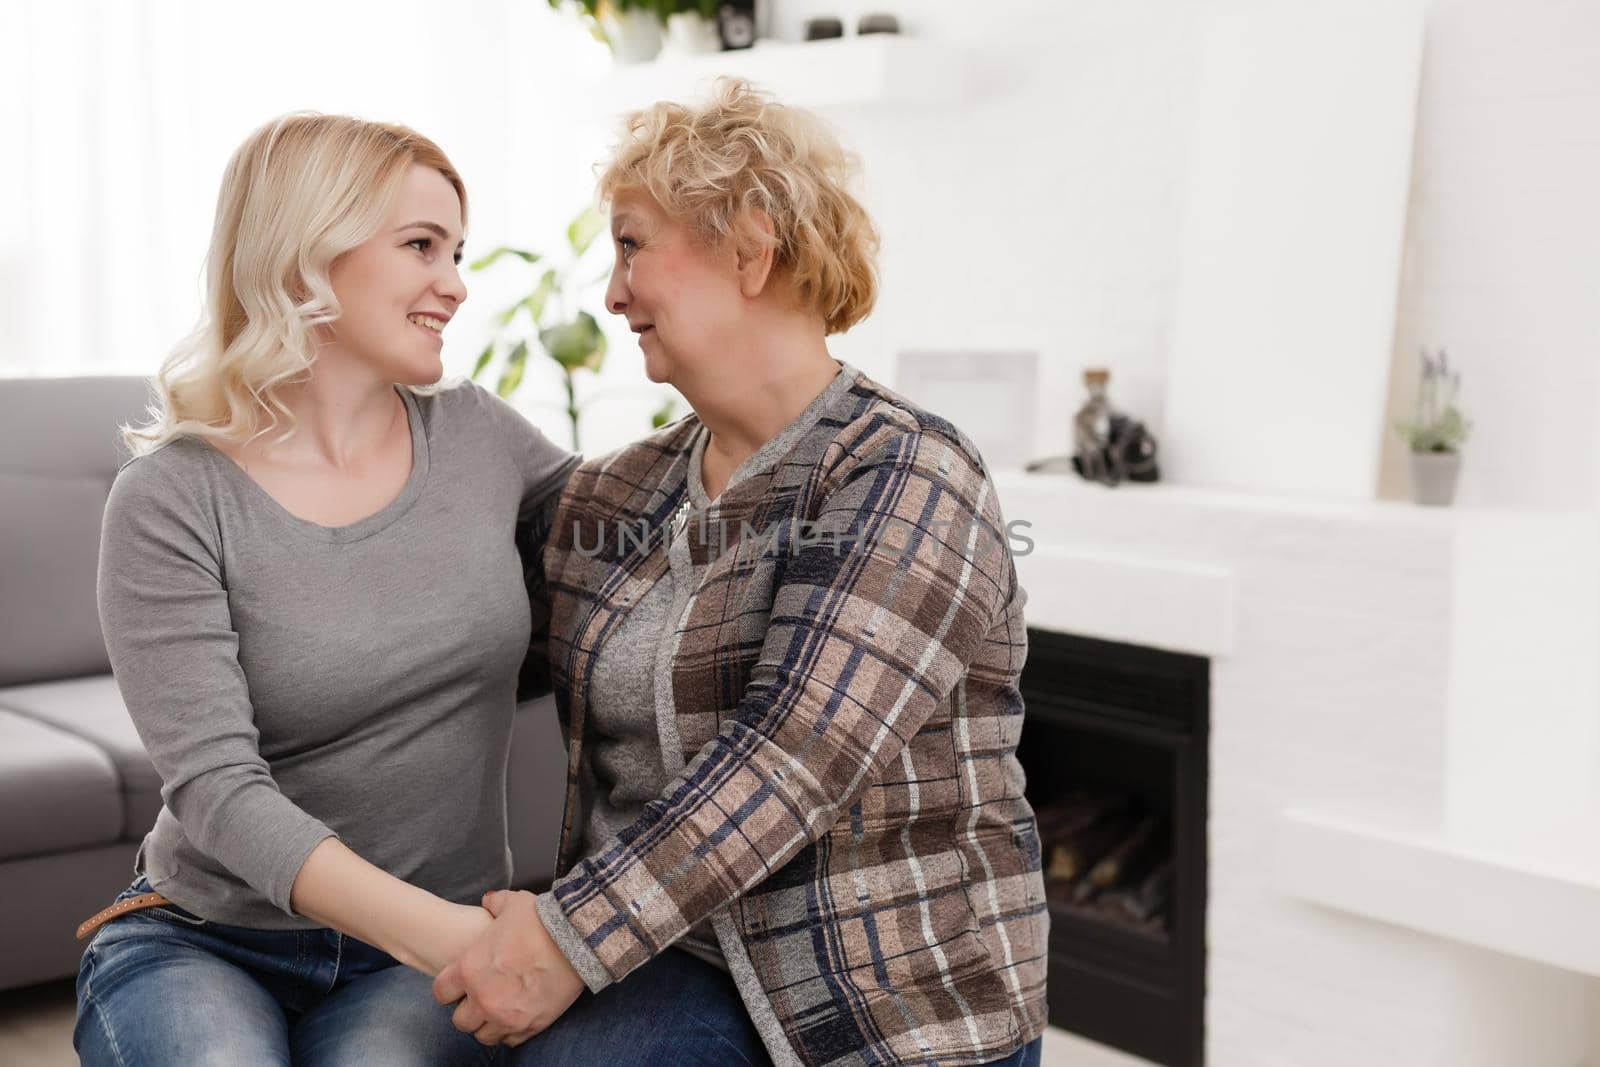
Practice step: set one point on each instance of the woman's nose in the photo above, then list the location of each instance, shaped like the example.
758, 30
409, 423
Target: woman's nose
617, 292
451, 287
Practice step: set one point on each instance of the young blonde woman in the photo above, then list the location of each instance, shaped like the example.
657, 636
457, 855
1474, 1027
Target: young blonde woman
312, 594
786, 635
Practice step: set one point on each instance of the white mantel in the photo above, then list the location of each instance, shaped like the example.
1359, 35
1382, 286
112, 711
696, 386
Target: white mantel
1405, 727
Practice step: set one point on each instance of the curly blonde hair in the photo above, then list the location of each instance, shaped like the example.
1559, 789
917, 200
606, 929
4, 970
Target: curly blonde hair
299, 192
720, 166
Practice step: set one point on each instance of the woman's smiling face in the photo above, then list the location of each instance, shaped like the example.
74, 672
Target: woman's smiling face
397, 289
681, 297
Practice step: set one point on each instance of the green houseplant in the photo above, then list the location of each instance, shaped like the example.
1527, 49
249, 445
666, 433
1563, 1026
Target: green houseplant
632, 28
662, 8
548, 319
1436, 432
569, 336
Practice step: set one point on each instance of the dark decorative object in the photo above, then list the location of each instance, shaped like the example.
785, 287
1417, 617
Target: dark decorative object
877, 23
736, 23
824, 29
1110, 447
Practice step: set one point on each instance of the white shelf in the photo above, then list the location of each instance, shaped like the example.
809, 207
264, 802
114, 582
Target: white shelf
1548, 912
1169, 604
847, 71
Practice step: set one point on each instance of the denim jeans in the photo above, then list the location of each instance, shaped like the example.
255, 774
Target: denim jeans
162, 987
676, 1009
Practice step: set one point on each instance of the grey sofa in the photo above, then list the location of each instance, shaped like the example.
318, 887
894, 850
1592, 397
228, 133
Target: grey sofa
77, 792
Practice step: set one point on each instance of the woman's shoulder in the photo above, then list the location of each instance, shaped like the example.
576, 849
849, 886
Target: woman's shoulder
461, 408
173, 487
175, 469
874, 423
460, 396
650, 457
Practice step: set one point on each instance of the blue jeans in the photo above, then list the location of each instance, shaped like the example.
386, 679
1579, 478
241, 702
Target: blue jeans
163, 987
677, 1009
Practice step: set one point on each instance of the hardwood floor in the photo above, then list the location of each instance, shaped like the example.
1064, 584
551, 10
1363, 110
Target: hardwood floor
36, 1026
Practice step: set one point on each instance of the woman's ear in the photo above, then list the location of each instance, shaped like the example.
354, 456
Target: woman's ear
755, 263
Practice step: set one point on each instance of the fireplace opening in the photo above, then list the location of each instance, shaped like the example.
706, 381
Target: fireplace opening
1115, 750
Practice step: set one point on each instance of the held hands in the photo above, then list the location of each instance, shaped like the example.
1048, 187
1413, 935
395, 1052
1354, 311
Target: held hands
513, 981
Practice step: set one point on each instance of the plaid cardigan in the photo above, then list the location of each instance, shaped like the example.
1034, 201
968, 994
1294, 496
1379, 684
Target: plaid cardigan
840, 706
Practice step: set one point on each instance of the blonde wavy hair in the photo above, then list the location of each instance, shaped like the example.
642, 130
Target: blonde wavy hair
299, 192
720, 166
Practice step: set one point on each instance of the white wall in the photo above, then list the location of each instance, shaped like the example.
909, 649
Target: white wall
1044, 213
1503, 245
1047, 213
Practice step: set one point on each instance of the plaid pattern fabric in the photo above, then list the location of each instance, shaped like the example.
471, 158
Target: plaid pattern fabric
845, 684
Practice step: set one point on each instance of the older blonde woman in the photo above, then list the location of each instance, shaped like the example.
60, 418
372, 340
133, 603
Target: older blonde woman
786, 637
311, 591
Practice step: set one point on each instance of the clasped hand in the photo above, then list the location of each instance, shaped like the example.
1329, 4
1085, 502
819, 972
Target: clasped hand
513, 982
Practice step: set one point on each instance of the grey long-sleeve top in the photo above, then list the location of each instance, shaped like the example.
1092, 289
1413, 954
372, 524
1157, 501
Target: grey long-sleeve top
293, 682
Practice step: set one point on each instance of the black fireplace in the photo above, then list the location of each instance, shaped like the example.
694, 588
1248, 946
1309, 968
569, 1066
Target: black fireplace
1115, 749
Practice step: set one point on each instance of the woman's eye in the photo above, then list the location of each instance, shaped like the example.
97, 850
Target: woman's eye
628, 246
422, 244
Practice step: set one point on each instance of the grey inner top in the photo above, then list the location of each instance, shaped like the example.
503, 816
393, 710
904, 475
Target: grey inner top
293, 681
628, 767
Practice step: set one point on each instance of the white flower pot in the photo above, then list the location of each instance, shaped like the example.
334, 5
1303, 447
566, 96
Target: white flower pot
688, 34
635, 35
1433, 478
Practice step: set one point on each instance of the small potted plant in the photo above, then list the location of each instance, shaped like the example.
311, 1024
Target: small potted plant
1436, 433
691, 27
632, 28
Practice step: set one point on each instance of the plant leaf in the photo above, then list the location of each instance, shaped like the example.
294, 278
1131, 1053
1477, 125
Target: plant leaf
511, 377
489, 260
536, 300
576, 344
582, 231
483, 361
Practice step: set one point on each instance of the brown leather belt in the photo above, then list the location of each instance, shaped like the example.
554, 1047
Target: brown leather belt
119, 909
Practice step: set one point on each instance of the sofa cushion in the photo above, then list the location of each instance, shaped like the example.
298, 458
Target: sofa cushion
49, 549
57, 792
68, 427
59, 451
91, 709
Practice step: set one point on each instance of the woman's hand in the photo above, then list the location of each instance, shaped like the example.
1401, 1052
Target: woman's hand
514, 982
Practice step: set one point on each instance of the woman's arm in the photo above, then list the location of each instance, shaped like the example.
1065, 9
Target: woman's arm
169, 631
339, 889
544, 468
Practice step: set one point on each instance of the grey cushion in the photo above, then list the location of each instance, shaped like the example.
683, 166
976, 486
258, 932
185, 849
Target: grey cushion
67, 427
536, 789
56, 894
58, 792
49, 547
91, 709
59, 451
